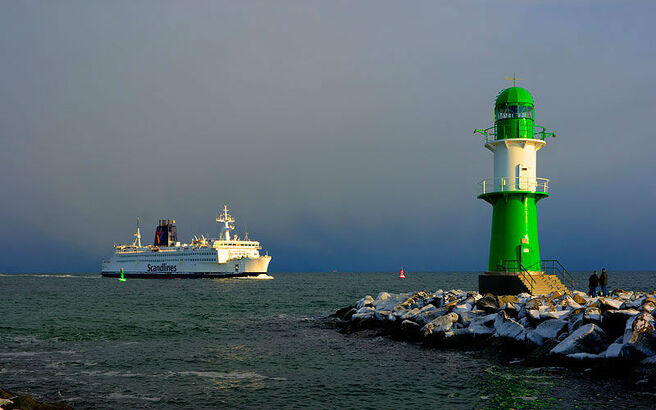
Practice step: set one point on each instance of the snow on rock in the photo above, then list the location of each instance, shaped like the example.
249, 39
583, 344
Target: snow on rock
533, 314
579, 297
365, 301
410, 327
638, 337
428, 313
384, 315
633, 303
592, 314
588, 338
385, 301
407, 314
365, 312
464, 307
436, 328
554, 314
569, 303
465, 318
608, 303
505, 326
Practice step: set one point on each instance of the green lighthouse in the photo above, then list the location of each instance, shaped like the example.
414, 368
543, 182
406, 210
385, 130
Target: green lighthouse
514, 193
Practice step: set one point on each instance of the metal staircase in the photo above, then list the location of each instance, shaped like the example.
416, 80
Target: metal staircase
544, 282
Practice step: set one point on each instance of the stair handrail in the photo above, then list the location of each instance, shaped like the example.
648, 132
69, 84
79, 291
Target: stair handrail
523, 272
566, 276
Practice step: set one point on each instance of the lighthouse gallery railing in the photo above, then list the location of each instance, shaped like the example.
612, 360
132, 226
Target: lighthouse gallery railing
505, 184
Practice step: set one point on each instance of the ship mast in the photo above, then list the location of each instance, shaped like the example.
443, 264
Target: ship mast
226, 220
137, 241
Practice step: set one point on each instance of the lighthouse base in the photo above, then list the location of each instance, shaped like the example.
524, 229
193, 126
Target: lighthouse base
500, 284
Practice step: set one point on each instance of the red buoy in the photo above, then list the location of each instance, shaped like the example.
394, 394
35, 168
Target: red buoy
401, 275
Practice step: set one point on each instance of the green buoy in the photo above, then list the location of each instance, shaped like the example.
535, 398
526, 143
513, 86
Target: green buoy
122, 278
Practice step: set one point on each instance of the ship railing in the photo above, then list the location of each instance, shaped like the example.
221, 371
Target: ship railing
504, 184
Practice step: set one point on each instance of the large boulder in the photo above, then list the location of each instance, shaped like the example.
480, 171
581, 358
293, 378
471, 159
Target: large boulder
506, 327
463, 307
434, 331
365, 312
490, 304
552, 328
407, 314
554, 314
578, 298
614, 350
614, 321
589, 338
567, 303
575, 320
417, 300
648, 307
429, 313
592, 314
365, 301
411, 330
634, 303
384, 316
534, 337
465, 318
507, 299
639, 337
385, 301
459, 337
609, 303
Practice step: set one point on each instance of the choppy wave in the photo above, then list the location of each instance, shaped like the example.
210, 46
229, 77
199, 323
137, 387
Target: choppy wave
28, 353
111, 373
230, 376
120, 396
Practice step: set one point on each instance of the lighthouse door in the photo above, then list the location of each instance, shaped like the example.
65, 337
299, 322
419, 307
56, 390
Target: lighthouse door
523, 178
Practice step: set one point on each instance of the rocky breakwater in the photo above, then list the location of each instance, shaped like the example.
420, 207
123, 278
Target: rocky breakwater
554, 328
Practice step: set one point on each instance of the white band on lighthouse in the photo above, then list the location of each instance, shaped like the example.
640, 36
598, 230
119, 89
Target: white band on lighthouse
515, 163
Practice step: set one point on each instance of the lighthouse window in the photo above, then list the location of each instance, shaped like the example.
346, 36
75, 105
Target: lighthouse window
514, 111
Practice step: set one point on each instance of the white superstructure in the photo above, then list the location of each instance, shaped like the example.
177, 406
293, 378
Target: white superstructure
225, 256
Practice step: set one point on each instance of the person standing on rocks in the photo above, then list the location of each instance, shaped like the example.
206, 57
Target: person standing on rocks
594, 282
603, 281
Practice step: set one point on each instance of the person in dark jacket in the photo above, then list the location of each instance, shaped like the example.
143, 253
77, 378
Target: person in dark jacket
594, 282
603, 281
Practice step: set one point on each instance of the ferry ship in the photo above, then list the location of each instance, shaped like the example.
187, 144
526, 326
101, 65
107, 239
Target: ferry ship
222, 257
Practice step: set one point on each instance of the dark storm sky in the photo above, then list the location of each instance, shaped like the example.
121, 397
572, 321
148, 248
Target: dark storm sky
339, 132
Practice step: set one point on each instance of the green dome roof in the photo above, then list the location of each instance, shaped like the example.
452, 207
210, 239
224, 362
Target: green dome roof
514, 95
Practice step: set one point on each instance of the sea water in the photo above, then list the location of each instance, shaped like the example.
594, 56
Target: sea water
96, 342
